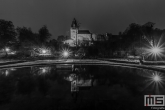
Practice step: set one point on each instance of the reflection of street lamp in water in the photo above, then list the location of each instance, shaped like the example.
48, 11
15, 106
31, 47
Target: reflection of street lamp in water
156, 78
155, 81
7, 49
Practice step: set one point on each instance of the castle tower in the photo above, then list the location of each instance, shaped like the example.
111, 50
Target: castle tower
74, 30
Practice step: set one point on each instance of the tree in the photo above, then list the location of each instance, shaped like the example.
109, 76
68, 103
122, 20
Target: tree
54, 43
44, 34
132, 36
61, 38
25, 34
148, 31
7, 33
27, 40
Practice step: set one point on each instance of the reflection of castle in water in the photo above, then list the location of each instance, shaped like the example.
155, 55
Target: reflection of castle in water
77, 81
80, 84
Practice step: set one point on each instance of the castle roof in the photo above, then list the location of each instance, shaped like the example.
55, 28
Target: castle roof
74, 23
83, 32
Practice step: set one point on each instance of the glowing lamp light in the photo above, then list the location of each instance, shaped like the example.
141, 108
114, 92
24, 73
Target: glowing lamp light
156, 50
43, 51
43, 70
156, 78
7, 49
7, 72
154, 81
65, 54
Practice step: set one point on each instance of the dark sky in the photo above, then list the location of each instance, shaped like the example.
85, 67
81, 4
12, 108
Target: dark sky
99, 16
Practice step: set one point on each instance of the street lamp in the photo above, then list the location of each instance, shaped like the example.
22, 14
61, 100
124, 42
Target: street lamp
65, 53
156, 50
43, 51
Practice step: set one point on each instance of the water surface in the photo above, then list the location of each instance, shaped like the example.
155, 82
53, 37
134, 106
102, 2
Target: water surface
71, 87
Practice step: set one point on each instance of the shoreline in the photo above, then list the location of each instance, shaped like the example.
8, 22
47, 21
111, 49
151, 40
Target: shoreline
22, 63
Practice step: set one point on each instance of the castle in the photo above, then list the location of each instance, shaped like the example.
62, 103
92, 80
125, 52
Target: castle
78, 37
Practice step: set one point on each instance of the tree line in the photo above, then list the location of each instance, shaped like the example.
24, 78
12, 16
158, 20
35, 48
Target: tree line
9, 34
22, 38
131, 41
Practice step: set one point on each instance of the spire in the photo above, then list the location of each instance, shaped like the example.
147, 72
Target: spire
74, 23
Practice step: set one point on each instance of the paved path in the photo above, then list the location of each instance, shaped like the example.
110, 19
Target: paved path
78, 61
163, 66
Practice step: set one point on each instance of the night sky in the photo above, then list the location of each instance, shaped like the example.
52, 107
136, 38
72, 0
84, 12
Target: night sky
99, 16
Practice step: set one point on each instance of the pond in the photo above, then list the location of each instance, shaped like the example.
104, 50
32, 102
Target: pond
71, 87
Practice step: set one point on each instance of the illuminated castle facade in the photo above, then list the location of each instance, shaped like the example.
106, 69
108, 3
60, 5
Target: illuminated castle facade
78, 37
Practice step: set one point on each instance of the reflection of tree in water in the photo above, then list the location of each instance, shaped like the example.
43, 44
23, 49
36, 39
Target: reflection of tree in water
7, 84
113, 84
45, 77
82, 72
26, 85
43, 85
24, 81
6, 88
110, 87
110, 76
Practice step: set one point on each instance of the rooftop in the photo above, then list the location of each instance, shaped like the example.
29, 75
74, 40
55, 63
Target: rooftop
83, 32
